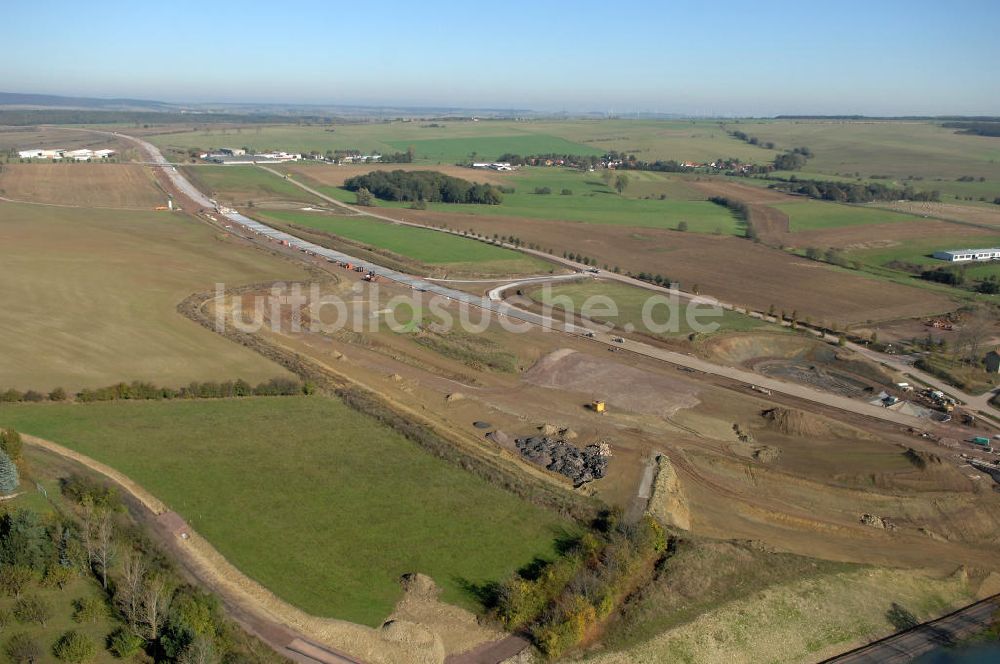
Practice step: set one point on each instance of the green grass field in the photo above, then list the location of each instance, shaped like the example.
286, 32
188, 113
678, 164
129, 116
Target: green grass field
699, 140
808, 215
489, 148
919, 252
323, 505
239, 185
426, 246
90, 297
896, 149
630, 301
592, 201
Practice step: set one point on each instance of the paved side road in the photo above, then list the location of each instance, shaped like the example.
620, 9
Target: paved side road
922, 639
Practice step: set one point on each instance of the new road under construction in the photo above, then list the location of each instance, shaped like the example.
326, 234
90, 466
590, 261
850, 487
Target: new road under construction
503, 309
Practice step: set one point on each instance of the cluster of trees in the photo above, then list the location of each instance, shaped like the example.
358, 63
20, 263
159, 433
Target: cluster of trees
569, 160
561, 602
752, 140
846, 192
138, 390
10, 456
399, 157
831, 255
793, 160
657, 279
986, 128
429, 186
944, 275
742, 212
158, 616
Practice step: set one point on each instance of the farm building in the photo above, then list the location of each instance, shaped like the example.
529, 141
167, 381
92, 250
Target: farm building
40, 153
265, 158
361, 159
496, 165
962, 255
231, 152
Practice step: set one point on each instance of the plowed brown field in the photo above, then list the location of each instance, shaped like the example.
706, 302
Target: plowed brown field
732, 269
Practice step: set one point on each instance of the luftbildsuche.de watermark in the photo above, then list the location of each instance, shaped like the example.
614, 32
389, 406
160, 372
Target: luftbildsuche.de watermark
296, 307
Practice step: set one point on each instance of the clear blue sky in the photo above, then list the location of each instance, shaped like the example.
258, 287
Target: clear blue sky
692, 57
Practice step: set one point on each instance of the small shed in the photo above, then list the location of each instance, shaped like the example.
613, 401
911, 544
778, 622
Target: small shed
993, 362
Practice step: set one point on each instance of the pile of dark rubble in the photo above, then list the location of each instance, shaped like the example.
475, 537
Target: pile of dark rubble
580, 465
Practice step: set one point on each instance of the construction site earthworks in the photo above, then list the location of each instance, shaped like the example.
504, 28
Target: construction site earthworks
402, 430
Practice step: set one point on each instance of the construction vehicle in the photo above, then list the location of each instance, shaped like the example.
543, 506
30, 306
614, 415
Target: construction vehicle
599, 407
762, 390
359, 268
618, 340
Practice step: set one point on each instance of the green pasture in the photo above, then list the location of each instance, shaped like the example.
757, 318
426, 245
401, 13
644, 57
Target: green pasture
319, 503
808, 215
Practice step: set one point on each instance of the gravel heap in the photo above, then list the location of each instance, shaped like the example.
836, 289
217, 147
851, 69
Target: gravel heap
580, 465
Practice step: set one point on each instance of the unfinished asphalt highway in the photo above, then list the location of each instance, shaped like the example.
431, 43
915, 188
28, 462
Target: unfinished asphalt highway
503, 309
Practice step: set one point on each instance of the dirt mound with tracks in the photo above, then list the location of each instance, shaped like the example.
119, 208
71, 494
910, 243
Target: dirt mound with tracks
622, 387
796, 423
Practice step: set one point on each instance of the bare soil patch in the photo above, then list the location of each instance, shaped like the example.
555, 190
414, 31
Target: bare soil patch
81, 184
880, 236
962, 213
622, 387
731, 269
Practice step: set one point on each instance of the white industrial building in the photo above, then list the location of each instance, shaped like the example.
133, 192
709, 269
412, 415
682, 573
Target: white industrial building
962, 255
494, 165
82, 154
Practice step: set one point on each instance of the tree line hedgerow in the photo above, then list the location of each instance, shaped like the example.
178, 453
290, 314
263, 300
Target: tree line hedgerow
138, 390
562, 602
849, 192
429, 186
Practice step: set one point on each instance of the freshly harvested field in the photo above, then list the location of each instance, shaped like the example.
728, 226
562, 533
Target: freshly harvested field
733, 270
82, 184
811, 215
244, 185
628, 303
426, 246
89, 298
23, 138
328, 523
973, 214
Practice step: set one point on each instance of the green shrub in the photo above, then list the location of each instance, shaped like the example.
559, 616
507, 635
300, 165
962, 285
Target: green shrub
124, 643
74, 648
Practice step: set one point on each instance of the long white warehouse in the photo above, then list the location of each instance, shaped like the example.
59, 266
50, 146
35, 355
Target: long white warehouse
962, 255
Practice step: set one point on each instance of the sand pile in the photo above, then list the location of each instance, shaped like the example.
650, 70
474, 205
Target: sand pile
795, 422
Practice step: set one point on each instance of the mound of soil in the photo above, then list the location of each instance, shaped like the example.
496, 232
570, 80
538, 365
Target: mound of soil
766, 454
795, 422
921, 459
